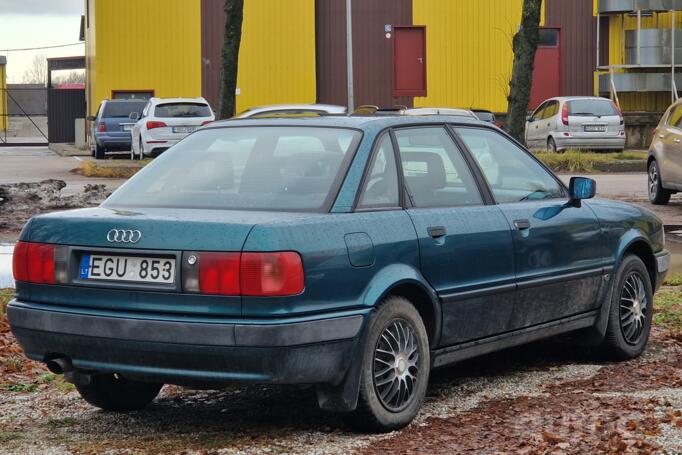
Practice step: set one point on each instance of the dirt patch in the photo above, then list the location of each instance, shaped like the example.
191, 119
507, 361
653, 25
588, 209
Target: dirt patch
21, 201
623, 408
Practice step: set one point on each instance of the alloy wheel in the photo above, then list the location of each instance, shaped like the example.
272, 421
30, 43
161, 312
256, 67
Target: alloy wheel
653, 180
396, 365
634, 307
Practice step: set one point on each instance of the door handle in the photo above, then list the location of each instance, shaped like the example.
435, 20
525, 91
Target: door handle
521, 224
436, 231
661, 136
676, 140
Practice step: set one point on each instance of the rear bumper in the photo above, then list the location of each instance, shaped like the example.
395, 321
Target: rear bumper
183, 352
121, 142
605, 143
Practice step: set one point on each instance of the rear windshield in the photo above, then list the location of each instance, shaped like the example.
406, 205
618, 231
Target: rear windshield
485, 116
591, 107
245, 168
122, 108
170, 110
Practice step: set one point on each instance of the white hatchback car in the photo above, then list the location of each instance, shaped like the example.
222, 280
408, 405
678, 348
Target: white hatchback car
576, 122
165, 121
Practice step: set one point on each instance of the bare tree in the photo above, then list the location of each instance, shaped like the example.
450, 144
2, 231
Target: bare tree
36, 73
525, 44
72, 77
234, 15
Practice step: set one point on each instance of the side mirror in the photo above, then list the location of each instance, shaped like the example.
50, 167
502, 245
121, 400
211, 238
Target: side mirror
529, 118
90, 118
134, 116
581, 188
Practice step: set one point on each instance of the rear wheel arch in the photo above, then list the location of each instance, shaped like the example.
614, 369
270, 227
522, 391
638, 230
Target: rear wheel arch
427, 306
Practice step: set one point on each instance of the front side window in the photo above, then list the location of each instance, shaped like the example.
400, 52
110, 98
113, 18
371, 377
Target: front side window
436, 174
244, 168
174, 110
675, 118
381, 185
539, 112
513, 175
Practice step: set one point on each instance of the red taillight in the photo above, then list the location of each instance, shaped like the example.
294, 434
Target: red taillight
219, 273
206, 122
155, 124
254, 274
272, 274
564, 114
101, 127
34, 263
20, 262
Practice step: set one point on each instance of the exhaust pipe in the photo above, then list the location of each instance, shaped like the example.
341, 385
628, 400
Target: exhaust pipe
60, 365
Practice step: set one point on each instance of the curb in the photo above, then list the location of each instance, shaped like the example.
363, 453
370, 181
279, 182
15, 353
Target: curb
63, 149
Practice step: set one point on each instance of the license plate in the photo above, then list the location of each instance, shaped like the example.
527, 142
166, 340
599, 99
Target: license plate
127, 127
595, 128
127, 268
184, 129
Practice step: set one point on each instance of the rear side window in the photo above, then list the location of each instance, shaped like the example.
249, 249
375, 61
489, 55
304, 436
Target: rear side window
513, 175
172, 110
435, 172
381, 186
591, 107
122, 109
551, 110
273, 168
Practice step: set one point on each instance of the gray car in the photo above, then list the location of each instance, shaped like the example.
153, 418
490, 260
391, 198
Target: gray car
292, 110
111, 127
665, 156
584, 122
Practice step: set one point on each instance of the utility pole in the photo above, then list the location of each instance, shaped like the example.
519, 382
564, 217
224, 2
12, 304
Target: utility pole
349, 55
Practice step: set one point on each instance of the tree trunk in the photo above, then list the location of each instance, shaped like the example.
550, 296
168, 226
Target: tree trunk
525, 44
234, 15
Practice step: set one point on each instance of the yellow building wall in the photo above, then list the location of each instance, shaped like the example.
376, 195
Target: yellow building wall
3, 98
277, 53
647, 102
145, 45
468, 51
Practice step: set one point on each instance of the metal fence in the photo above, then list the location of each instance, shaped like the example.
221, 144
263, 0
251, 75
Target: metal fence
23, 121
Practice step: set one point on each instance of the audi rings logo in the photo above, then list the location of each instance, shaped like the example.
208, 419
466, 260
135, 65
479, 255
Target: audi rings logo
124, 236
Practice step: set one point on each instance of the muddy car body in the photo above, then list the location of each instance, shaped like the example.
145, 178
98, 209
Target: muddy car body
294, 251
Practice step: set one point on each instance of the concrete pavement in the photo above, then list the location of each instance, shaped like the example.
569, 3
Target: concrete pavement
33, 164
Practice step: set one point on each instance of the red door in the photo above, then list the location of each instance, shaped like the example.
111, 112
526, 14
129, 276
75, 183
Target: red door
547, 69
409, 61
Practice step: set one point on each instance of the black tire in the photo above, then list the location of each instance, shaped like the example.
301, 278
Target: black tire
111, 392
631, 311
551, 145
657, 194
377, 411
99, 152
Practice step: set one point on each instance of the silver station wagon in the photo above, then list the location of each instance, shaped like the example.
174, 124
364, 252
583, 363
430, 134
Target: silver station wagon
585, 122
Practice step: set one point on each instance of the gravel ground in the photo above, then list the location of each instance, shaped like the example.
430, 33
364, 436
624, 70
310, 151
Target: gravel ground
501, 402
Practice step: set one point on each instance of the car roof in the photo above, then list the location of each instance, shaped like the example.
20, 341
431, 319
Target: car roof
358, 122
573, 98
199, 99
127, 100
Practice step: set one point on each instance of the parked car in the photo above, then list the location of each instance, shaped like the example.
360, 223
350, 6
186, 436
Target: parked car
110, 130
584, 122
165, 121
292, 110
487, 116
350, 253
665, 157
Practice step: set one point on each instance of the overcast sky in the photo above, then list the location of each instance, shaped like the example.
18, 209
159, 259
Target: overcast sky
34, 23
